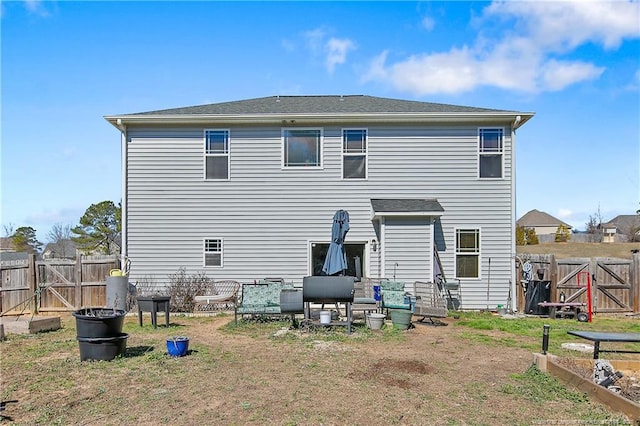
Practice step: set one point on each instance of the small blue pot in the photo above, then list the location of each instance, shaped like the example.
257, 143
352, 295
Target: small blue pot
177, 346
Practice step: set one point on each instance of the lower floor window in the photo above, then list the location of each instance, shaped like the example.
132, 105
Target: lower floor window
467, 253
212, 252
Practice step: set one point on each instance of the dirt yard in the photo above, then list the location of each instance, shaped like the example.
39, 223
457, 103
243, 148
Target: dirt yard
446, 375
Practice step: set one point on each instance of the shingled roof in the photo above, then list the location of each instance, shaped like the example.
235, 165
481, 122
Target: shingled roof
538, 218
406, 206
317, 105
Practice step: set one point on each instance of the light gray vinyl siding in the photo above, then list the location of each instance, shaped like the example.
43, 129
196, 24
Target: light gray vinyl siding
408, 248
267, 216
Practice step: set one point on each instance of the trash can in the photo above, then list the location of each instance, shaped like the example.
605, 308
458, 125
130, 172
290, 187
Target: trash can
117, 289
537, 291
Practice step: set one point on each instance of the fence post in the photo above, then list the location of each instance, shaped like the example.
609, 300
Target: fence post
32, 281
634, 280
78, 292
553, 277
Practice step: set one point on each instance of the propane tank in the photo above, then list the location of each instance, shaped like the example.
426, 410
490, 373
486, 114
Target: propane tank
562, 297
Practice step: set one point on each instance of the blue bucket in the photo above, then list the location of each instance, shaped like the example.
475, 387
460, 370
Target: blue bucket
376, 292
177, 346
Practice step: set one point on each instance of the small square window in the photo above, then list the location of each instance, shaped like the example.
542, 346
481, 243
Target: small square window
212, 252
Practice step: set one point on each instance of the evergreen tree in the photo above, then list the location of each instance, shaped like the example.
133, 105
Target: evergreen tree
99, 229
24, 240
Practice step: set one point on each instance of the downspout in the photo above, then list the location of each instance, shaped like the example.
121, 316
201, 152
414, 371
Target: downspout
124, 249
383, 249
513, 282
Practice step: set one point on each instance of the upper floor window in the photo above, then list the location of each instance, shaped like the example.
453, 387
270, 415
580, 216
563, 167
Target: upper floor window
212, 252
490, 151
467, 253
216, 150
354, 154
302, 147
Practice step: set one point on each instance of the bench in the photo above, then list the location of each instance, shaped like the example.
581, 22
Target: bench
262, 298
563, 309
599, 336
218, 295
394, 296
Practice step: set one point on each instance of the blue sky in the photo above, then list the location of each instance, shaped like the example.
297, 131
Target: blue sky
67, 64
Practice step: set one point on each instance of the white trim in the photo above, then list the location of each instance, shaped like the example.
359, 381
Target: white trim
226, 154
378, 215
501, 152
283, 166
513, 281
355, 154
432, 232
324, 118
204, 253
455, 253
124, 207
382, 246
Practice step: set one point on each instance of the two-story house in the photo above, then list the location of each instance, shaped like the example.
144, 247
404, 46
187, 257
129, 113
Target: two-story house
247, 189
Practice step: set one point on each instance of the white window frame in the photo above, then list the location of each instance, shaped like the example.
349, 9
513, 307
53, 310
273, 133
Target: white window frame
364, 152
457, 253
499, 151
226, 153
205, 251
284, 165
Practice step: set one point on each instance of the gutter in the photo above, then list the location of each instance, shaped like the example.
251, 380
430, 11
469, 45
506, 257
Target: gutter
125, 171
298, 118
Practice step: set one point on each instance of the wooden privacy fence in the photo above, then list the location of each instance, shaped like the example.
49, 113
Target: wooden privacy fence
615, 283
54, 285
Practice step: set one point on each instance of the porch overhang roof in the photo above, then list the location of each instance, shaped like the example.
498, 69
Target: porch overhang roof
382, 207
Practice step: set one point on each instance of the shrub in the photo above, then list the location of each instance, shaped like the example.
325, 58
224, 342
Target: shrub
183, 288
562, 234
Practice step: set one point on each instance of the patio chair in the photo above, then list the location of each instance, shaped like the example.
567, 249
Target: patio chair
363, 297
429, 303
451, 290
219, 295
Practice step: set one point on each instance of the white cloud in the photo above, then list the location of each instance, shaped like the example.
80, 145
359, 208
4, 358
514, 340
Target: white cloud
334, 49
522, 52
564, 214
428, 23
314, 38
568, 24
337, 51
36, 7
556, 75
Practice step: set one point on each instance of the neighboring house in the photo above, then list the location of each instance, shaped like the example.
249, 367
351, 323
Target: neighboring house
248, 189
62, 249
624, 227
6, 244
541, 222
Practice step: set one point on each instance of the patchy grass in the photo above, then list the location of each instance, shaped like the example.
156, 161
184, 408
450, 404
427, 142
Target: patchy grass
475, 371
571, 250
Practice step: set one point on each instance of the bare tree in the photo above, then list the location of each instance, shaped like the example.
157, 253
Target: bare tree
60, 241
59, 232
9, 229
594, 226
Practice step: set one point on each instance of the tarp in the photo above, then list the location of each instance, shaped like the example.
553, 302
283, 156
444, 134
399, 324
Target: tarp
336, 260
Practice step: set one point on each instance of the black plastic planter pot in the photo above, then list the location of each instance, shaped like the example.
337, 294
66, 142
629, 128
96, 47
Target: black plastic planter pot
99, 322
102, 348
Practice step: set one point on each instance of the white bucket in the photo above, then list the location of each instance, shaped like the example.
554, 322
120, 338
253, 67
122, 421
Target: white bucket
375, 321
325, 317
